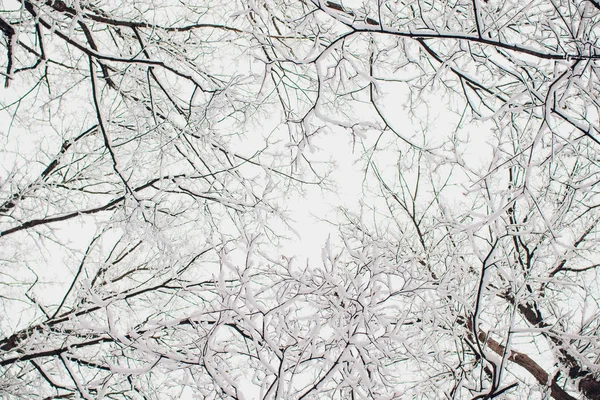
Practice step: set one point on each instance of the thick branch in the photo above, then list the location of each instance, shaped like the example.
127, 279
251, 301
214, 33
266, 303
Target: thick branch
524, 361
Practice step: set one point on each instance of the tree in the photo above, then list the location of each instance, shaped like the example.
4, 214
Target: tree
149, 150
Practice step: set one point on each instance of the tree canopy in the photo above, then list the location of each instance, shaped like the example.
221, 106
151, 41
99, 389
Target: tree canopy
153, 153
